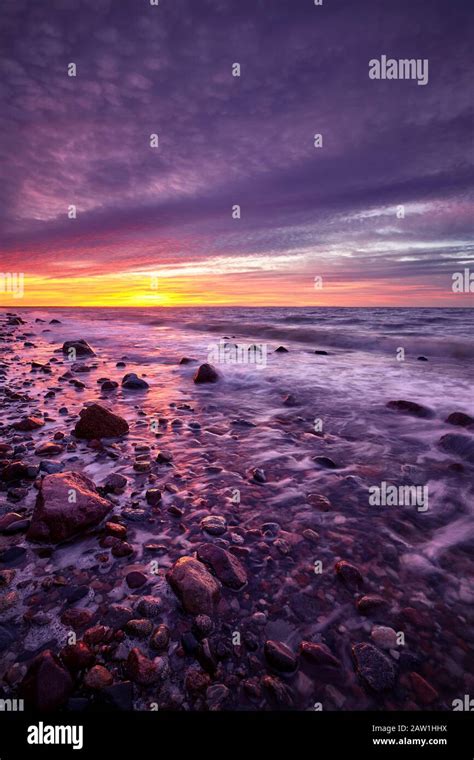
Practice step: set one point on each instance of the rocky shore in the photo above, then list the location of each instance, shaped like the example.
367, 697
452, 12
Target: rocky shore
154, 555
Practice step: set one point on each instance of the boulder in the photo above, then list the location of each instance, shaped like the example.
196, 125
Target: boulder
47, 685
131, 382
194, 585
67, 504
98, 422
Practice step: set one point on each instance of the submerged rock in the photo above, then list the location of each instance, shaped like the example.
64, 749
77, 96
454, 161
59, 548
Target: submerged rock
461, 419
131, 382
98, 422
348, 573
374, 667
66, 505
47, 685
410, 407
194, 585
280, 657
459, 445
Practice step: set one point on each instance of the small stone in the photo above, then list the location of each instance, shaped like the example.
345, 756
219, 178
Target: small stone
98, 678
153, 496
196, 588
326, 462
410, 407
160, 638
149, 606
370, 602
77, 657
206, 374
28, 424
349, 573
258, 475
136, 579
49, 449
425, 693
116, 483
215, 525
164, 457
140, 628
280, 656
142, 670
384, 637
281, 350
318, 654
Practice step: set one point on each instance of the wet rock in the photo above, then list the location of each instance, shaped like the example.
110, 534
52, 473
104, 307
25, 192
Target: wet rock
215, 525
56, 517
258, 475
28, 424
142, 670
349, 573
118, 696
121, 548
164, 457
46, 465
320, 502
202, 626
196, 681
49, 449
98, 634
370, 603
6, 577
228, 569
160, 638
6, 638
131, 382
47, 685
149, 606
290, 400
98, 678
16, 471
216, 696
136, 579
320, 352
153, 496
73, 348
384, 637
458, 445
460, 419
421, 358
77, 657
280, 657
118, 615
142, 465
326, 462
277, 691
374, 667
10, 518
206, 373
187, 360
116, 483
318, 654
194, 585
108, 385
411, 408
139, 628
98, 422
425, 693
281, 350
76, 618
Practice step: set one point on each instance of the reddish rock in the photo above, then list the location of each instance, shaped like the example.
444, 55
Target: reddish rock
98, 422
49, 449
27, 424
143, 670
194, 585
318, 654
369, 603
77, 657
374, 667
75, 348
280, 656
47, 685
425, 693
228, 569
348, 573
56, 517
98, 678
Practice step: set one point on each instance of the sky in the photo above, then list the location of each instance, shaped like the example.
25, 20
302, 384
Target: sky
380, 214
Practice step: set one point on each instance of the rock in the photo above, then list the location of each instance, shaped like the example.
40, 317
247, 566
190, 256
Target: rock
131, 382
280, 656
320, 502
57, 518
318, 654
369, 603
74, 348
290, 400
206, 373
142, 670
149, 606
216, 696
46, 465
6, 638
49, 449
258, 475
10, 518
421, 358
187, 360
326, 462
77, 657
164, 457
142, 465
460, 419
196, 681
281, 350
153, 496
47, 685
278, 691
28, 424
16, 471
320, 352
118, 615
119, 696
116, 483
108, 385
160, 638
374, 667
384, 637
425, 693
349, 573
410, 407
98, 678
202, 626
228, 569
194, 585
139, 628
98, 422
121, 548
459, 445
136, 579
215, 525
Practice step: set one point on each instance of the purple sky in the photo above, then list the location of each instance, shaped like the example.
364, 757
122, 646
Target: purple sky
247, 141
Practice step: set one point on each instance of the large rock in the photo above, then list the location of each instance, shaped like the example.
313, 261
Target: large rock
132, 382
459, 445
98, 422
410, 407
374, 667
194, 585
228, 569
67, 504
206, 373
81, 348
47, 685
